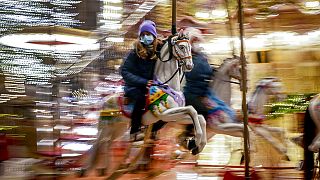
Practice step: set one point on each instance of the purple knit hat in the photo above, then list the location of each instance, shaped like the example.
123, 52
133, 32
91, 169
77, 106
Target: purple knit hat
148, 26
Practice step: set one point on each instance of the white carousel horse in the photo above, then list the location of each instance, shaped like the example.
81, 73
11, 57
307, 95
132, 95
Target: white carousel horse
264, 89
221, 84
165, 99
311, 137
221, 87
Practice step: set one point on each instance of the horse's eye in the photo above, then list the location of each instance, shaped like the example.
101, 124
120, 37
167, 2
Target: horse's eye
181, 47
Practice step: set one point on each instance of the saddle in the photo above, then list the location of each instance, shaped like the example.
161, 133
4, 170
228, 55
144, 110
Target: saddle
154, 97
126, 105
255, 119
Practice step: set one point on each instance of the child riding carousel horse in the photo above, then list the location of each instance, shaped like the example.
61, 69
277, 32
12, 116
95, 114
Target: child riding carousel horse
137, 72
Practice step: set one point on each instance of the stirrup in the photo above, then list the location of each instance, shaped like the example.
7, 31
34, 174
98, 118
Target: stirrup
138, 136
188, 143
191, 143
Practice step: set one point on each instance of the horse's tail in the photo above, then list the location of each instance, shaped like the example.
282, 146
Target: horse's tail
108, 110
308, 135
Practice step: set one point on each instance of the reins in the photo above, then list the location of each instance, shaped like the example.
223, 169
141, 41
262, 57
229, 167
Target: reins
170, 57
229, 81
170, 50
177, 70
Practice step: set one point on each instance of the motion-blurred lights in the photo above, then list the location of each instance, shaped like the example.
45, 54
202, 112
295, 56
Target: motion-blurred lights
61, 127
219, 13
46, 142
70, 154
312, 4
202, 15
218, 45
115, 8
76, 43
282, 35
77, 147
109, 89
112, 1
89, 131
86, 139
111, 15
183, 175
92, 115
314, 34
283, 38
44, 116
110, 21
115, 39
257, 43
44, 129
112, 26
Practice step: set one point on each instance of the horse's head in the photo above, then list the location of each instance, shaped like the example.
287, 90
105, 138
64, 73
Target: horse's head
272, 86
233, 67
268, 89
181, 50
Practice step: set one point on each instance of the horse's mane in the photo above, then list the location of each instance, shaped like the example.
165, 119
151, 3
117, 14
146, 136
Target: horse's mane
259, 96
164, 52
165, 66
225, 65
220, 84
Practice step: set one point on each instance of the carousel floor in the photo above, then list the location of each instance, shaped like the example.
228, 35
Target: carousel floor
221, 155
186, 170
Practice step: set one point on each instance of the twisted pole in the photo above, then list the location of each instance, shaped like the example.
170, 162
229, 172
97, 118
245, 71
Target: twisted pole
244, 91
174, 17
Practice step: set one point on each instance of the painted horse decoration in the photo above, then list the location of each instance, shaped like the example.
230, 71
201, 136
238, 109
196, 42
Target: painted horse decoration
223, 120
165, 100
222, 79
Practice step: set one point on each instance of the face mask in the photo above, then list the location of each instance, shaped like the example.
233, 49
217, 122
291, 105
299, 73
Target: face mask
146, 39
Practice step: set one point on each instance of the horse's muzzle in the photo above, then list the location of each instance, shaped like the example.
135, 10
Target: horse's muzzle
188, 67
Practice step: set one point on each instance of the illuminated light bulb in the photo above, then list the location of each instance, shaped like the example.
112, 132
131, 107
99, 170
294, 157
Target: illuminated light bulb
312, 4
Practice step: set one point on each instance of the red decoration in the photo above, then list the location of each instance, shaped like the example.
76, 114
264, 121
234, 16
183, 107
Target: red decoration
51, 43
228, 175
4, 154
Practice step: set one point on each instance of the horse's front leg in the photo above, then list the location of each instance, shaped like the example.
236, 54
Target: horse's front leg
264, 133
187, 115
315, 145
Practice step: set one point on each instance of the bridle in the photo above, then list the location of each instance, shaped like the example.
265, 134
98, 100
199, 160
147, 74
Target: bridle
172, 46
228, 81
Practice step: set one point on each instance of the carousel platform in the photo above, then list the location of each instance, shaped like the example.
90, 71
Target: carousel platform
221, 159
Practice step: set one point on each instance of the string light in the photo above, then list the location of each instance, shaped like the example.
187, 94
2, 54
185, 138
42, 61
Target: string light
34, 62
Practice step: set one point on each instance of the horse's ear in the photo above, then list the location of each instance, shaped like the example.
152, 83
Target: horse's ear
180, 34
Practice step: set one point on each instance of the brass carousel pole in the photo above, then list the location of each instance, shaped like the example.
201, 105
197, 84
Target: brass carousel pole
244, 91
174, 17
230, 27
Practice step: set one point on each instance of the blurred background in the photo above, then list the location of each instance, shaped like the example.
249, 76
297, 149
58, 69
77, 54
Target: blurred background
58, 58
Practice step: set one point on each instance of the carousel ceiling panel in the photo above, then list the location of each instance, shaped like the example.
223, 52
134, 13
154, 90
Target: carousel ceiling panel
260, 16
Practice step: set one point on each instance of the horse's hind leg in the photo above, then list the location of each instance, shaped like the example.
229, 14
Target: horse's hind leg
186, 115
94, 151
132, 164
100, 153
261, 131
203, 142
